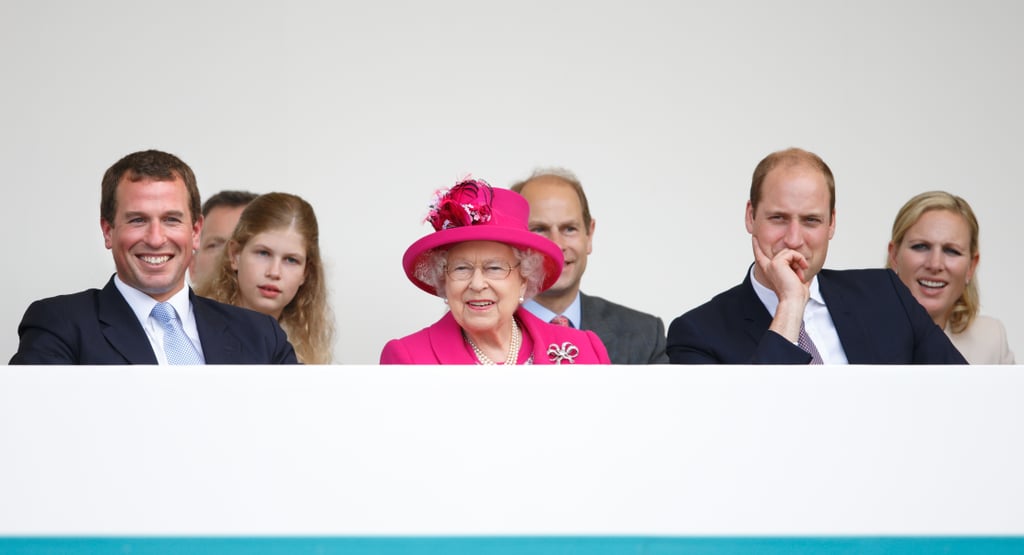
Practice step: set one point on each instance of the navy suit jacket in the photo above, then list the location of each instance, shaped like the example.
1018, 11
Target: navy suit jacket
876, 317
97, 326
631, 336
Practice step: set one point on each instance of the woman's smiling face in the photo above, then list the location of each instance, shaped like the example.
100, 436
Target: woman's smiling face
481, 303
935, 261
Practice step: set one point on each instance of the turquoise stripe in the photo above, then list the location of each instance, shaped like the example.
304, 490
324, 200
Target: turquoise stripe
586, 545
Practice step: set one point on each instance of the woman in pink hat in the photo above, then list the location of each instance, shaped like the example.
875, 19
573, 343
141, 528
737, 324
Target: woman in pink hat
484, 262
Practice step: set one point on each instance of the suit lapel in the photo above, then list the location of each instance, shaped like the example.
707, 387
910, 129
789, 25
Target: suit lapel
220, 346
121, 328
851, 332
447, 343
591, 317
756, 317
595, 317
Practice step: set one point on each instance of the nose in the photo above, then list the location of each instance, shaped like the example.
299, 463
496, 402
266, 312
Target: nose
155, 236
935, 260
558, 239
477, 282
274, 268
794, 236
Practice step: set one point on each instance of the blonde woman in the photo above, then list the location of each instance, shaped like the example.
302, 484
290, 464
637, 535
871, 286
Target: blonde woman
272, 265
934, 250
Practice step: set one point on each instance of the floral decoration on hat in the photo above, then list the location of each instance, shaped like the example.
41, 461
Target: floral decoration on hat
474, 211
467, 203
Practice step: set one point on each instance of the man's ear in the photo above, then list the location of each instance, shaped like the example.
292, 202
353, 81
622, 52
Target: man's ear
590, 236
197, 232
107, 229
749, 218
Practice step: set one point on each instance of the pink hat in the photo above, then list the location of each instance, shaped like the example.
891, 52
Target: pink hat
474, 211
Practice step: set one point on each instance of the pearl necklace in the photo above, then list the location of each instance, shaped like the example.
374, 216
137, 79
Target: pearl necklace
513, 350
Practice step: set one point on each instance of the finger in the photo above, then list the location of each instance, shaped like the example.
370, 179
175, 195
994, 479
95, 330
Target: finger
798, 264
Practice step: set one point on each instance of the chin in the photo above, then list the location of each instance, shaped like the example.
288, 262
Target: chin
559, 287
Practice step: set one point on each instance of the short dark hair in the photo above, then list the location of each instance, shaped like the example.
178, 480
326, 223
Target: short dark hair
230, 199
146, 164
791, 157
570, 179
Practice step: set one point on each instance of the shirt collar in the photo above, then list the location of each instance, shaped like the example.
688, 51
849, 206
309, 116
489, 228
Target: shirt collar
542, 312
771, 300
142, 304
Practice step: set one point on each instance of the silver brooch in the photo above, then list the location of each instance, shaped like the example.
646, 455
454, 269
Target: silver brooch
567, 351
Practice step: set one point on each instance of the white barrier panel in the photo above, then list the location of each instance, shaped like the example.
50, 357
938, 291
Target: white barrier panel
368, 450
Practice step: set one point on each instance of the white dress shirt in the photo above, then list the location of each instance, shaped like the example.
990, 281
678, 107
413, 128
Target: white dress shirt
142, 305
817, 320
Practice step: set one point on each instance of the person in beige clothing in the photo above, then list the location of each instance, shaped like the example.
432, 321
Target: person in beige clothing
934, 250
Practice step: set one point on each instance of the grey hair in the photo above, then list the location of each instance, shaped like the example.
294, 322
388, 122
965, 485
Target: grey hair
430, 270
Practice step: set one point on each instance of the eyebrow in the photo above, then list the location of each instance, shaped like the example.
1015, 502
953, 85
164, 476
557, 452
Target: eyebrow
264, 246
484, 261
913, 239
563, 223
137, 213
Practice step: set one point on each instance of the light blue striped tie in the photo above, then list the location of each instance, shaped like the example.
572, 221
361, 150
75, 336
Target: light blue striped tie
177, 346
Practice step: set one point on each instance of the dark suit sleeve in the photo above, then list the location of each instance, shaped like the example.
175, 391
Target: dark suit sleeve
776, 349
685, 344
931, 345
690, 342
233, 335
283, 352
45, 337
277, 348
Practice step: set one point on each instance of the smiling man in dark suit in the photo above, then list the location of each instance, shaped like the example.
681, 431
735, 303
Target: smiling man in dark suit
788, 310
149, 215
560, 212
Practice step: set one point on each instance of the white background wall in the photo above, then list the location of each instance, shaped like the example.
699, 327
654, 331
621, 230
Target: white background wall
563, 451
661, 108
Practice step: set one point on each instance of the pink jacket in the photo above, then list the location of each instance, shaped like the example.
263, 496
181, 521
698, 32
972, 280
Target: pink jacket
442, 343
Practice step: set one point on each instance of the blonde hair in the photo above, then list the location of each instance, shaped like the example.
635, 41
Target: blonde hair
307, 319
966, 307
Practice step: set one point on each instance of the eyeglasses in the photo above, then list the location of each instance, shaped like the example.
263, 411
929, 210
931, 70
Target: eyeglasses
463, 271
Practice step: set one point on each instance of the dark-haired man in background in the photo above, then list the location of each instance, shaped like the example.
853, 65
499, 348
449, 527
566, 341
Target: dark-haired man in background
220, 216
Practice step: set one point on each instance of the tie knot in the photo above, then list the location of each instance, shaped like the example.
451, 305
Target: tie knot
164, 313
561, 321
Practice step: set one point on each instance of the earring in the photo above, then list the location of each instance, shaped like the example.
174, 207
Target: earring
521, 299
